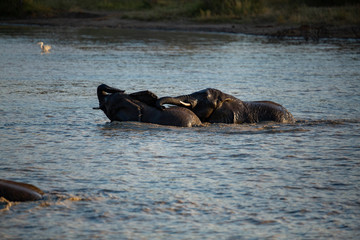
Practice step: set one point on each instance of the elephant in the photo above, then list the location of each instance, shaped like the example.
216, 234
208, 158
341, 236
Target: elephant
141, 106
19, 192
213, 106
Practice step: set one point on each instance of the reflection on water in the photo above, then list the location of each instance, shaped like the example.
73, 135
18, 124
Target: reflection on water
143, 181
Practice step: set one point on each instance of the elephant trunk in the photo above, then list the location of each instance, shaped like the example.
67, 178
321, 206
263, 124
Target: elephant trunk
102, 91
183, 101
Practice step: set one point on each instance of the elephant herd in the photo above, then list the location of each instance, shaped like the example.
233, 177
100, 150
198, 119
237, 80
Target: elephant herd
205, 106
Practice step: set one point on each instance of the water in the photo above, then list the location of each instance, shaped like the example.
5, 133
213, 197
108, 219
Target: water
142, 181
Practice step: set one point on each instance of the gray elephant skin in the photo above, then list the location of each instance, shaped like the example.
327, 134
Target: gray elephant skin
19, 192
141, 107
213, 106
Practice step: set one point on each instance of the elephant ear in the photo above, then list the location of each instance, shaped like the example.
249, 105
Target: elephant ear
224, 100
146, 97
225, 112
125, 109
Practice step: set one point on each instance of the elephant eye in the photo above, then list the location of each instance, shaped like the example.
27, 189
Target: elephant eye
206, 95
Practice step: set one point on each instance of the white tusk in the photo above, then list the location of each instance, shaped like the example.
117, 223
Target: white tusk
185, 104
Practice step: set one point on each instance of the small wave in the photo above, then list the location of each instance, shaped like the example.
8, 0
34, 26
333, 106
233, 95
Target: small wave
260, 221
57, 196
327, 121
299, 126
260, 128
58, 199
292, 187
298, 212
5, 204
48, 200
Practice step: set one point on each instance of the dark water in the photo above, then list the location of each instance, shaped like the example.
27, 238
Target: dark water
143, 181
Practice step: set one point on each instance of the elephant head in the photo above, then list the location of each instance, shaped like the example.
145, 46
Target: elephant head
123, 107
103, 92
19, 192
141, 106
212, 105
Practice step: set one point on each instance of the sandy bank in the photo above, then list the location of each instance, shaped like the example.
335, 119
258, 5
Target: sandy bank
113, 20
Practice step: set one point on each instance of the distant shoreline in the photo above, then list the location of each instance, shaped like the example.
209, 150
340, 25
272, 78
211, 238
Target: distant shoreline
307, 32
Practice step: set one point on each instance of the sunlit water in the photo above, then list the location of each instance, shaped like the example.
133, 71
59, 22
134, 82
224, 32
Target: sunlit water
142, 181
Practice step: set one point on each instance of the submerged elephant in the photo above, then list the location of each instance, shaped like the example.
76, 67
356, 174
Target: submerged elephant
141, 106
212, 105
19, 192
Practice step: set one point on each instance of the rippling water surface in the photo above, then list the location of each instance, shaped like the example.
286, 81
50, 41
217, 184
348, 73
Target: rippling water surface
141, 181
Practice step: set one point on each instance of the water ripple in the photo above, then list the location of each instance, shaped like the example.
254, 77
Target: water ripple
134, 180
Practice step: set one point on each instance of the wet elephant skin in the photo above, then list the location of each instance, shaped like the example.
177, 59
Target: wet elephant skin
212, 105
19, 192
141, 107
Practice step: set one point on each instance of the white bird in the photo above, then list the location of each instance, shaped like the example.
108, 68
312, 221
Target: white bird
44, 48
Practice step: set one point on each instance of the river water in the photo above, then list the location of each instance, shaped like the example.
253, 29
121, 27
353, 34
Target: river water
142, 181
